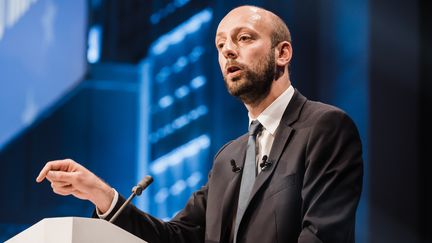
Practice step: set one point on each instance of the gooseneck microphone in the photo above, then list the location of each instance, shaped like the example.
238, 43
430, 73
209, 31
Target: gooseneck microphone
136, 191
235, 168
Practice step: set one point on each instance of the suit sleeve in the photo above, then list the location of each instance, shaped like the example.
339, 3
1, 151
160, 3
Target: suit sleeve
187, 226
333, 180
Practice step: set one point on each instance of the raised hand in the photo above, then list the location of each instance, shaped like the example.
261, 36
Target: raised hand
67, 177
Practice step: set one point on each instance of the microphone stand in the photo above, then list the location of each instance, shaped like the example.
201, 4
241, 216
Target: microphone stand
136, 191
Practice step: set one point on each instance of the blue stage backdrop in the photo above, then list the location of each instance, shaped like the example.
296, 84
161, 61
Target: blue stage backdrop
42, 55
175, 136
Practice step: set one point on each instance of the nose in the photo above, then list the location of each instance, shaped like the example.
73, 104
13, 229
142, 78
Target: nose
229, 50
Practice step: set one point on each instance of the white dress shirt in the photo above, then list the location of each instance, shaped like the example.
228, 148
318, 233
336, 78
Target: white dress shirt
270, 119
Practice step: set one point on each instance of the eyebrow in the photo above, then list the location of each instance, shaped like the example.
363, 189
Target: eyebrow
220, 34
235, 30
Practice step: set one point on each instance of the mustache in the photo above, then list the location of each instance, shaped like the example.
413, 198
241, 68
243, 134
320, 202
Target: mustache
235, 63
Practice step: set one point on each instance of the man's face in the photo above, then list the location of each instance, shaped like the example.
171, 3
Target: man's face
246, 57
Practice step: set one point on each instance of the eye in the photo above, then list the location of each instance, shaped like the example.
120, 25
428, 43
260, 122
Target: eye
220, 45
244, 38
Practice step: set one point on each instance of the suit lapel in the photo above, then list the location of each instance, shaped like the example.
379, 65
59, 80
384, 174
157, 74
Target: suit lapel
279, 143
230, 196
283, 133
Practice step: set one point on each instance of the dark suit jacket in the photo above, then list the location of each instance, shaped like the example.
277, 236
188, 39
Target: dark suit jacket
309, 193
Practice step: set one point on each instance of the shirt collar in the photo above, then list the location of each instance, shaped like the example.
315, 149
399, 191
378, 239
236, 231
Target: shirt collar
272, 115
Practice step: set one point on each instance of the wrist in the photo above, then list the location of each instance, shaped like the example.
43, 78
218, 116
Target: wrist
103, 198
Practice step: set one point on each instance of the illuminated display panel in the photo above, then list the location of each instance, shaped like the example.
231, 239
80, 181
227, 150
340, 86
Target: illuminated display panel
179, 139
42, 55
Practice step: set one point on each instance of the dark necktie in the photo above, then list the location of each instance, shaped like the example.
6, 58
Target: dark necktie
249, 174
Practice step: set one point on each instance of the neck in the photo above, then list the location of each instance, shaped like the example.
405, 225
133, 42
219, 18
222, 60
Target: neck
277, 88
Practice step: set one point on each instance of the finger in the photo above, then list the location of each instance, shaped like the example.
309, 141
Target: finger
44, 171
68, 189
59, 184
61, 176
53, 165
64, 191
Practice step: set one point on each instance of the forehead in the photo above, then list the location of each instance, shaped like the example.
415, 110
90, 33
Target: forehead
244, 18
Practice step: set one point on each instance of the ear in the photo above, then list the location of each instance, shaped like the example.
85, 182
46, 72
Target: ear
283, 53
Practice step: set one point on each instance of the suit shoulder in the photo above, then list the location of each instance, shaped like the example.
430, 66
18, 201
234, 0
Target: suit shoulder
317, 108
315, 111
320, 114
230, 148
222, 148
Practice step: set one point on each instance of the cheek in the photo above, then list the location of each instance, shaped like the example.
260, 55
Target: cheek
222, 62
252, 59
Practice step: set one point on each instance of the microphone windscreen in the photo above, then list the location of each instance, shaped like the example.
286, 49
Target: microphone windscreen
147, 180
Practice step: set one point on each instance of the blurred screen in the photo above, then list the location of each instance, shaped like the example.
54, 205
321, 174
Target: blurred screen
42, 55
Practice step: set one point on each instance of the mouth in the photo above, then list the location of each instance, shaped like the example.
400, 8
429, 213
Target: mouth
233, 70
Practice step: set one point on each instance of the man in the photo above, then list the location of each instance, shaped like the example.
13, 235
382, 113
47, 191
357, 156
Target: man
297, 176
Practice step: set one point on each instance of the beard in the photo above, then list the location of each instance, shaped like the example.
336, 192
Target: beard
254, 84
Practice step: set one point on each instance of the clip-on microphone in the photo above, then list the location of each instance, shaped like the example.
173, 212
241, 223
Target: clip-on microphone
235, 168
265, 164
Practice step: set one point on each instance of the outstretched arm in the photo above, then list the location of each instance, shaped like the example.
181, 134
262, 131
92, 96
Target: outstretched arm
67, 177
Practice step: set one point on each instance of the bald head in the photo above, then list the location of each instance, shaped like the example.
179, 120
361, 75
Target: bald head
278, 29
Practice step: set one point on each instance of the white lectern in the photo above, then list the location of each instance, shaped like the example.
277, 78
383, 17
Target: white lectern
74, 230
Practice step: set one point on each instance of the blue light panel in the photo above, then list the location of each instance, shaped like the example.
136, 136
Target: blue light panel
42, 46
175, 150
